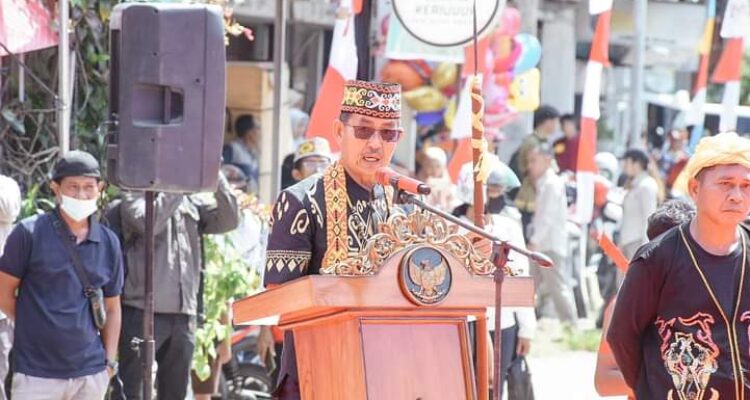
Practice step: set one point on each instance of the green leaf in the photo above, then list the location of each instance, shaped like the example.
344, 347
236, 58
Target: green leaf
202, 369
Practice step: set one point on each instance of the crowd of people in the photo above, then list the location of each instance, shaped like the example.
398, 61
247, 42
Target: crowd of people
72, 289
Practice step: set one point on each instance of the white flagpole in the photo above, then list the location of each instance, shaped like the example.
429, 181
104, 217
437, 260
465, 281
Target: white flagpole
63, 86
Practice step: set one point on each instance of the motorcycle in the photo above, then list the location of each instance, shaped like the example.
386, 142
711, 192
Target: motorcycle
245, 376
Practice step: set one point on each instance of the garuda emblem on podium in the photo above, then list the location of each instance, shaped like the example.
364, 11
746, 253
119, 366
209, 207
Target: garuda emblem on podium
425, 276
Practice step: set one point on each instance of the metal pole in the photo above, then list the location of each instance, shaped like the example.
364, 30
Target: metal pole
279, 49
636, 82
63, 65
148, 308
529, 10
362, 22
499, 278
21, 79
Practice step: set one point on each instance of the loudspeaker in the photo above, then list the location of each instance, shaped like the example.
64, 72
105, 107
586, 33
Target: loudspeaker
167, 96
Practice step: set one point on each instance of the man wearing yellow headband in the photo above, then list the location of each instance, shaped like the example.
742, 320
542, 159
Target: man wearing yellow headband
681, 327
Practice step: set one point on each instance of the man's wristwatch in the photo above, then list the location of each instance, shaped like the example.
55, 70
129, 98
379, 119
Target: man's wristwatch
113, 365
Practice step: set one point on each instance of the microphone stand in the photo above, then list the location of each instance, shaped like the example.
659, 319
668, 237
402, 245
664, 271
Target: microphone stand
403, 197
499, 259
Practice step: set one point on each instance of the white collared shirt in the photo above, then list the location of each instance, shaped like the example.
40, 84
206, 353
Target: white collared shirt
550, 219
639, 203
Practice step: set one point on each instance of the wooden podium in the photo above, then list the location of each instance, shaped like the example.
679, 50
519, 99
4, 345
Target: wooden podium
395, 325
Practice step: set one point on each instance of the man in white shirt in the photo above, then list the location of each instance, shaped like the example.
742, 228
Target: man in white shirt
504, 221
548, 234
640, 202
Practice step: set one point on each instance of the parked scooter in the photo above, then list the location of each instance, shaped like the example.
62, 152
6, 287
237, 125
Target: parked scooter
245, 377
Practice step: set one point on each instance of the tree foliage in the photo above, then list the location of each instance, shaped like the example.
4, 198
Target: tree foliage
28, 128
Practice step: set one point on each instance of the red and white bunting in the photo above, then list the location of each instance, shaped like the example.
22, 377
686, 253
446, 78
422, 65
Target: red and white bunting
598, 59
729, 68
342, 66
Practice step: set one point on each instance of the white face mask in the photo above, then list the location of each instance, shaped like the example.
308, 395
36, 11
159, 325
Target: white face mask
77, 209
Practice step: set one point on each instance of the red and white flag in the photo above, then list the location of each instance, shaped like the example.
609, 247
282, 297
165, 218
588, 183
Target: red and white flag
696, 116
729, 68
598, 59
342, 66
461, 131
26, 25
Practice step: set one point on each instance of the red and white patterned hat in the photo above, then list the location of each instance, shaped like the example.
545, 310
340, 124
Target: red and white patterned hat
373, 99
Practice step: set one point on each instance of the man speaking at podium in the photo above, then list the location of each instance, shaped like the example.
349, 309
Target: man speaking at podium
326, 217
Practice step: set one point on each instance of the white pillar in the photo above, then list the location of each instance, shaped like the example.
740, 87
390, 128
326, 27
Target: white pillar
558, 65
636, 89
21, 79
279, 46
63, 86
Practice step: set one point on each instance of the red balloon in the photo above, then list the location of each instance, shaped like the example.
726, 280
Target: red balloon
504, 79
449, 91
506, 63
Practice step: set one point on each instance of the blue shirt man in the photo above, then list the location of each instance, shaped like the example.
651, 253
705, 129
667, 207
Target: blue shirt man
59, 352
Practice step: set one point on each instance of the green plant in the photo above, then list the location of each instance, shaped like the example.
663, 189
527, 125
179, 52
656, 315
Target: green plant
35, 203
28, 128
584, 340
227, 276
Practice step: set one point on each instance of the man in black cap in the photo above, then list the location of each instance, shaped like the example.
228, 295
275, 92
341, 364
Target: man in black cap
67, 268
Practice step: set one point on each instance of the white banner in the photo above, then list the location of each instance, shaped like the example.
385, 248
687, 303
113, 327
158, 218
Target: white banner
462, 120
401, 45
446, 22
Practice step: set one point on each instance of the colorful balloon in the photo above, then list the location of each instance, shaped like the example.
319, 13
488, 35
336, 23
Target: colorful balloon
444, 75
425, 98
403, 73
496, 97
450, 114
531, 53
524, 91
506, 63
510, 21
504, 79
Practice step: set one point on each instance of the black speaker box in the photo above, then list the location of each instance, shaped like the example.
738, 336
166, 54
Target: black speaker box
167, 96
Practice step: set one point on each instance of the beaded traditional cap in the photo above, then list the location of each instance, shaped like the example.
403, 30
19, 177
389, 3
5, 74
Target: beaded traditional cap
373, 99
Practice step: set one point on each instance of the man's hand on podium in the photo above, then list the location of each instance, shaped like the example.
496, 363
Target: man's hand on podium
481, 244
265, 343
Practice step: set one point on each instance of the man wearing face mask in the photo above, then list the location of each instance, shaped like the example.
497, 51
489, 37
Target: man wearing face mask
64, 265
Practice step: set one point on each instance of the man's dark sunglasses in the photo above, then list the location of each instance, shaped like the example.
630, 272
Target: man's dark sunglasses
366, 132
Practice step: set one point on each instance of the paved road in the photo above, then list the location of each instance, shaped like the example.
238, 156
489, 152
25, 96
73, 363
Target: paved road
559, 373
565, 376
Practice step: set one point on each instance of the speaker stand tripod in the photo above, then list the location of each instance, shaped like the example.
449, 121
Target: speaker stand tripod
147, 346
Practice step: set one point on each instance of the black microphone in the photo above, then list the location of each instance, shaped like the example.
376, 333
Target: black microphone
386, 176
